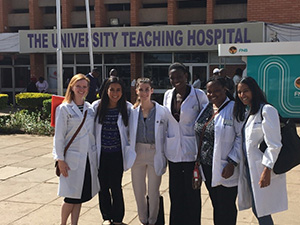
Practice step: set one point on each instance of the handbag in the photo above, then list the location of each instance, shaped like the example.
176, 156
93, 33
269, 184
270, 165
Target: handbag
57, 170
197, 178
289, 155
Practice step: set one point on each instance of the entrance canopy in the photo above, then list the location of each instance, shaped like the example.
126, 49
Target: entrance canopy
9, 42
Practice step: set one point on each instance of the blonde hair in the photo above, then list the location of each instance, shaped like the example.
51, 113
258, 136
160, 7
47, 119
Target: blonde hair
143, 80
69, 96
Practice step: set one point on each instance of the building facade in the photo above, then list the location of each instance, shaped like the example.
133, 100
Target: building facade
137, 37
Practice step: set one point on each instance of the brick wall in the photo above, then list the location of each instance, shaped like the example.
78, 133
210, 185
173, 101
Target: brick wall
284, 11
37, 65
5, 6
66, 13
210, 11
135, 5
100, 13
35, 15
172, 12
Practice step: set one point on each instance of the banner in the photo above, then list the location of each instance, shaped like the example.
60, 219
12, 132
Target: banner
142, 39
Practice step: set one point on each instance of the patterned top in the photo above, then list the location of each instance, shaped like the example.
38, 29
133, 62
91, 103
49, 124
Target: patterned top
207, 147
80, 107
110, 135
145, 129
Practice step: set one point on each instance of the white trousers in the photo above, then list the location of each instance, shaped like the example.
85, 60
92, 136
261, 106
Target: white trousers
144, 165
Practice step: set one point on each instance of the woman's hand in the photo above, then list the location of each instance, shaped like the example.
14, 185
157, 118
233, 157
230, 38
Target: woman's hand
63, 167
265, 178
228, 170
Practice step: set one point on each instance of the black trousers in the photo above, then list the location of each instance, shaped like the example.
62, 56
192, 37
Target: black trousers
185, 201
223, 200
110, 174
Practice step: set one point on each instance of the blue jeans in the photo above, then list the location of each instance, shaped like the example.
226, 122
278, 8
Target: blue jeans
264, 220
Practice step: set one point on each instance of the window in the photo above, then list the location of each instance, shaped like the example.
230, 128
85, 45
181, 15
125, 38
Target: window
22, 60
159, 76
157, 58
5, 60
82, 59
118, 7
67, 75
198, 57
223, 2
50, 10
191, 4
116, 58
68, 59
51, 58
22, 77
157, 5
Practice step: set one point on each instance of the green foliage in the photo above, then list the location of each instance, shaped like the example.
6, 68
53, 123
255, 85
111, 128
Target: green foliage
32, 101
3, 101
25, 122
47, 108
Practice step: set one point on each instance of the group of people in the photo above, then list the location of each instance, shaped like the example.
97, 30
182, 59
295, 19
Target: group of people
37, 86
147, 137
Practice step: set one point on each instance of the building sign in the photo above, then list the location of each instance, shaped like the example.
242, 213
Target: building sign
141, 39
265, 48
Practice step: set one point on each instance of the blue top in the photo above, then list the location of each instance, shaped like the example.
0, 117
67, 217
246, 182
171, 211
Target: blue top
145, 129
110, 135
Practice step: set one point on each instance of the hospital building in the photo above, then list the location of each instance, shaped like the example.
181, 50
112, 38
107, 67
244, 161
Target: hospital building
139, 38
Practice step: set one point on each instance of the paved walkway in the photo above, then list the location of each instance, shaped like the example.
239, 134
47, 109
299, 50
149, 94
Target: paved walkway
28, 189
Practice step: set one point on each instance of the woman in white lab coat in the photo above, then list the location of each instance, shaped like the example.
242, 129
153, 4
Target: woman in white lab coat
259, 187
148, 124
219, 145
184, 104
78, 181
113, 150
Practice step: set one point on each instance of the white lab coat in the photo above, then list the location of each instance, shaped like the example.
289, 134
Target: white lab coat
128, 156
68, 119
273, 198
161, 119
180, 142
227, 143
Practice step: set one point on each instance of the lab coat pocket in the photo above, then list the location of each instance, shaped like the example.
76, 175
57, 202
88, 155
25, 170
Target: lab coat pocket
189, 143
72, 159
171, 145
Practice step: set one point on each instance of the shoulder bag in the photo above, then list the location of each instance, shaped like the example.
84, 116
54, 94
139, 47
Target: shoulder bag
57, 171
289, 155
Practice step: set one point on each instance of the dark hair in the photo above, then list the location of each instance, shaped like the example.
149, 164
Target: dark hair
239, 72
258, 98
96, 70
103, 105
140, 81
178, 66
222, 81
41, 79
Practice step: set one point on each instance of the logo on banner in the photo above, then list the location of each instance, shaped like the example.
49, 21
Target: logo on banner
232, 50
297, 83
